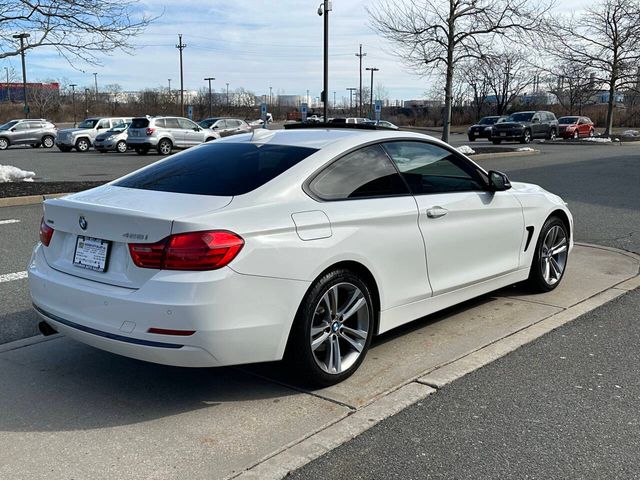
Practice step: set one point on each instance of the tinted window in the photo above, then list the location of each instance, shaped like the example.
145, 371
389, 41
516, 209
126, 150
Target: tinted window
161, 123
88, 123
520, 117
140, 123
222, 169
171, 123
488, 121
367, 172
428, 168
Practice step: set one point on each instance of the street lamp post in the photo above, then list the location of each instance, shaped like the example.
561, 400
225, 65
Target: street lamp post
372, 69
228, 105
325, 8
73, 101
334, 100
209, 79
86, 101
361, 56
270, 96
95, 77
351, 90
169, 80
22, 37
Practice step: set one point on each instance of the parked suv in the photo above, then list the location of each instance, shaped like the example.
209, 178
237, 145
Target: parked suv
34, 132
226, 126
82, 138
524, 126
166, 133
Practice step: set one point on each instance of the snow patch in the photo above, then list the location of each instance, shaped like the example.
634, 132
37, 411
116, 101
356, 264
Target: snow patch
9, 173
466, 149
597, 139
525, 149
631, 133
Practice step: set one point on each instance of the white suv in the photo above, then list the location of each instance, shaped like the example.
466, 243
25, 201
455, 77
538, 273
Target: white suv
166, 133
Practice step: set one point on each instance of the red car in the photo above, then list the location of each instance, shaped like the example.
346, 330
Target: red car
575, 127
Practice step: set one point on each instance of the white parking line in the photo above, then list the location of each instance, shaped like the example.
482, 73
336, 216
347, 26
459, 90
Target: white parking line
10, 277
7, 222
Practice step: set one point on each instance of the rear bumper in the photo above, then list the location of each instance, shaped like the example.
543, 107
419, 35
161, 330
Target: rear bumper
236, 318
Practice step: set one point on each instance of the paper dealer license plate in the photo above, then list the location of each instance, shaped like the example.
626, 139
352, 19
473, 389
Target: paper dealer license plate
91, 253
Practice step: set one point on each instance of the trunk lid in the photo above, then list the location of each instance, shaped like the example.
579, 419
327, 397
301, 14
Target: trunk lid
120, 216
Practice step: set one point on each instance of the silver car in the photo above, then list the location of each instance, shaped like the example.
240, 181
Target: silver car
34, 132
165, 134
226, 126
114, 140
82, 138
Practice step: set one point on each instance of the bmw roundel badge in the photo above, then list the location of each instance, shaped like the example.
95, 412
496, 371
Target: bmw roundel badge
83, 223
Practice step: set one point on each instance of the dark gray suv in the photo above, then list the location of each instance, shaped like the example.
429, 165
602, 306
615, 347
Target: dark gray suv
35, 132
525, 126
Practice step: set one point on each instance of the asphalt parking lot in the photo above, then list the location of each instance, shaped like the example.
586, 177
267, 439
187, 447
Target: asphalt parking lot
99, 403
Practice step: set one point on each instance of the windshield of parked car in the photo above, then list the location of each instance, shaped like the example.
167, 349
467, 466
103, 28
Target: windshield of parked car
88, 123
568, 120
120, 128
520, 117
487, 121
8, 125
208, 122
220, 169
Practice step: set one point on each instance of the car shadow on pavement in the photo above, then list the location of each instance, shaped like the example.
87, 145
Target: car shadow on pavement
62, 385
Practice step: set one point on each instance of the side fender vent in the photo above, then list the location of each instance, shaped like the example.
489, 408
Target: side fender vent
529, 237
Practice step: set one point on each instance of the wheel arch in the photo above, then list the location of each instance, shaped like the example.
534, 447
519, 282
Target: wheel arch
562, 215
7, 139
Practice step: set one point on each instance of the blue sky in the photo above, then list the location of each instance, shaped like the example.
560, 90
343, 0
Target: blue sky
249, 43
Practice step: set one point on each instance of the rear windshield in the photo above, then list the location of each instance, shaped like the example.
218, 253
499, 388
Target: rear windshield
220, 169
488, 120
568, 120
140, 123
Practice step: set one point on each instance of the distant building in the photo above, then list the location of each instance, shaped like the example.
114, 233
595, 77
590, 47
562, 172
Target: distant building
538, 98
422, 103
14, 91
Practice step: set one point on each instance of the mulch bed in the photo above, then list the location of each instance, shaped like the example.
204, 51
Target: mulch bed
480, 150
21, 189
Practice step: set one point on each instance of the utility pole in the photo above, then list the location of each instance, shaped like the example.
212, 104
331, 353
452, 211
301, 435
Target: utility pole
228, 105
181, 46
86, 101
351, 90
372, 69
169, 80
209, 79
270, 98
22, 36
95, 76
308, 99
73, 101
8, 89
334, 100
325, 8
360, 55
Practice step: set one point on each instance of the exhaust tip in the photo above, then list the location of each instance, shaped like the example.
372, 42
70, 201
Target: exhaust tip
46, 329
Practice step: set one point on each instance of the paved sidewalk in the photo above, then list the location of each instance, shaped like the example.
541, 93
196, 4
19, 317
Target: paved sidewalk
564, 406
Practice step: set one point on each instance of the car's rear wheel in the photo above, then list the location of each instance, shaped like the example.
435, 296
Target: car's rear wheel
82, 145
472, 139
48, 142
4, 143
142, 150
165, 146
550, 257
121, 146
526, 137
333, 329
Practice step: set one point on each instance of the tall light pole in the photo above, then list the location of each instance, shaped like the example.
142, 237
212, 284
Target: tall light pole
181, 46
334, 100
169, 80
6, 69
95, 76
360, 55
87, 91
351, 90
372, 69
325, 8
209, 79
228, 105
73, 101
270, 96
22, 36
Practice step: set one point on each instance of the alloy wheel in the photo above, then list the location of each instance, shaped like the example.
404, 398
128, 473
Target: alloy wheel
47, 142
82, 145
121, 146
340, 327
3, 144
553, 256
165, 147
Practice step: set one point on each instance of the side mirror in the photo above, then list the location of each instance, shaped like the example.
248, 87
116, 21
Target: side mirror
197, 129
498, 181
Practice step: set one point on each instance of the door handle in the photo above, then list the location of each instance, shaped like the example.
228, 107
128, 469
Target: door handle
436, 212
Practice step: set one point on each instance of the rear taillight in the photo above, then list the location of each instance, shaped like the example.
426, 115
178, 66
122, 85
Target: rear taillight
150, 131
46, 232
188, 251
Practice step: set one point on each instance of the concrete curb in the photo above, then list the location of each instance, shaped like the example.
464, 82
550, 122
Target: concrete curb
486, 156
28, 199
308, 449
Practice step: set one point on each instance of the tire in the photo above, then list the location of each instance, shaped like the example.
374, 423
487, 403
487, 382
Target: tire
4, 143
48, 141
310, 355
121, 146
142, 150
552, 135
576, 135
526, 137
592, 133
472, 139
496, 142
82, 145
64, 149
547, 269
165, 146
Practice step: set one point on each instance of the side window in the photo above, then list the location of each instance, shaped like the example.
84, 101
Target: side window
21, 127
171, 123
186, 124
35, 125
429, 168
220, 124
367, 172
118, 122
103, 124
160, 123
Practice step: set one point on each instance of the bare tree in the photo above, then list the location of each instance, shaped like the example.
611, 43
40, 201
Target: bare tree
77, 29
436, 35
573, 83
605, 38
44, 100
508, 75
477, 85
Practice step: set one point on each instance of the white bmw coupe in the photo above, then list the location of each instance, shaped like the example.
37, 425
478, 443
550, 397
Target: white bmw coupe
298, 244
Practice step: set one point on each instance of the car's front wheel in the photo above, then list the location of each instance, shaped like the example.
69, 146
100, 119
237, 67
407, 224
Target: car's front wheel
4, 143
576, 134
471, 138
48, 142
550, 257
333, 329
526, 137
121, 146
